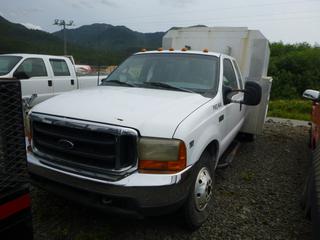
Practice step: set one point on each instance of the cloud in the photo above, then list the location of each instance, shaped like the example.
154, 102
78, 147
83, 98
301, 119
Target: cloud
109, 3
32, 26
35, 9
12, 14
84, 4
177, 3
74, 5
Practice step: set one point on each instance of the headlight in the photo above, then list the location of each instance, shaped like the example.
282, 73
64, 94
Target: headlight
158, 155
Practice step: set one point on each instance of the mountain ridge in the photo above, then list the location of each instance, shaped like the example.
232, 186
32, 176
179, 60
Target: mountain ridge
97, 43
111, 38
16, 38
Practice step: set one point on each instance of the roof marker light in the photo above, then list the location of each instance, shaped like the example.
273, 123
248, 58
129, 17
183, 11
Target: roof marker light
171, 49
205, 50
160, 49
184, 49
143, 50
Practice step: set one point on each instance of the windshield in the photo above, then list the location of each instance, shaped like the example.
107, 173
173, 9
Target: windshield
197, 73
7, 63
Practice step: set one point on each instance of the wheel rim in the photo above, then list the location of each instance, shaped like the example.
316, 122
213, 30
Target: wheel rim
203, 189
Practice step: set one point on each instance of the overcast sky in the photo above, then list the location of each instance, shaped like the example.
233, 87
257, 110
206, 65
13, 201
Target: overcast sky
287, 20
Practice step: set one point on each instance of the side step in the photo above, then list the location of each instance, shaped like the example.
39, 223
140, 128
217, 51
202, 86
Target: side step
228, 156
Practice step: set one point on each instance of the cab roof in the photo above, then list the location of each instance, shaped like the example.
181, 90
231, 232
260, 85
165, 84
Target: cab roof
181, 52
24, 55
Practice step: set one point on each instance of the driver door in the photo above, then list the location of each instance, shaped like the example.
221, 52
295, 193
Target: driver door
38, 81
233, 112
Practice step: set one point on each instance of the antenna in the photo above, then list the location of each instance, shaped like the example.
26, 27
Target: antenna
64, 24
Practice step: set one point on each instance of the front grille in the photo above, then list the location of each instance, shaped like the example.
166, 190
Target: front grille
13, 172
98, 151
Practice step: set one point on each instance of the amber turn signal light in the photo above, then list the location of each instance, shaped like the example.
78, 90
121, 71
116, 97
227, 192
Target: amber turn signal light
165, 167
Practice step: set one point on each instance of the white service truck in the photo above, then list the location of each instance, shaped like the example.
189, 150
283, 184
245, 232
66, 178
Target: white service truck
148, 140
43, 76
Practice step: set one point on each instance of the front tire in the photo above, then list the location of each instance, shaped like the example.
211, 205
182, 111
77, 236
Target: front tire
199, 202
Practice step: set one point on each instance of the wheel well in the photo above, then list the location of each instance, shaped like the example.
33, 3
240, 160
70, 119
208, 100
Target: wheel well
213, 148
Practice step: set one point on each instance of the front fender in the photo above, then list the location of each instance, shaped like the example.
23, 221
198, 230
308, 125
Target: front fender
199, 130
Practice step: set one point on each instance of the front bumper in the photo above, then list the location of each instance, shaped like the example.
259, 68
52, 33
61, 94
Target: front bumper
142, 194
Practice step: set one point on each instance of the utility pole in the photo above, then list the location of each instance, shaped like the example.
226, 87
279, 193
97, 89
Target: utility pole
64, 24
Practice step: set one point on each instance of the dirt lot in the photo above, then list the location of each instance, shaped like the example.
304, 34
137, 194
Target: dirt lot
256, 198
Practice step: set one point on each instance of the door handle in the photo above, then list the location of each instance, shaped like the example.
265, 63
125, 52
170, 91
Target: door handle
72, 81
50, 83
221, 118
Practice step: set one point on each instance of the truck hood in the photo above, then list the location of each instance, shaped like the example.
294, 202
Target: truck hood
153, 112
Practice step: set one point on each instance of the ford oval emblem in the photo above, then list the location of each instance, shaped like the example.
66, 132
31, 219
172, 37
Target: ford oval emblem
66, 144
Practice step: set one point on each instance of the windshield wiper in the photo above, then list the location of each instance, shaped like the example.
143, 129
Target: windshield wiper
167, 86
118, 82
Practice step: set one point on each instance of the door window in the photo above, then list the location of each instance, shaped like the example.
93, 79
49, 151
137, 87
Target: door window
59, 67
229, 76
238, 74
33, 67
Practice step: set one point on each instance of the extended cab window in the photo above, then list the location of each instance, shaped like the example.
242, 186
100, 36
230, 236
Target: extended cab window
7, 63
59, 67
229, 76
33, 67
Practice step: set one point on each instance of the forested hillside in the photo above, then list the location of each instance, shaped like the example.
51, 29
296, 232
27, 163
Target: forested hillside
16, 38
294, 68
100, 36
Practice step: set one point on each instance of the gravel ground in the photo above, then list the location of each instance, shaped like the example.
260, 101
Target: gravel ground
255, 198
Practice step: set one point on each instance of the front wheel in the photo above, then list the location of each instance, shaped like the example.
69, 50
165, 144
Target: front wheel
199, 202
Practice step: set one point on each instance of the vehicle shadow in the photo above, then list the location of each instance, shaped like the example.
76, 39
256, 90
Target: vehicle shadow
56, 218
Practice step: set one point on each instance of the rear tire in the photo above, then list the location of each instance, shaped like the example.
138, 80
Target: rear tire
199, 202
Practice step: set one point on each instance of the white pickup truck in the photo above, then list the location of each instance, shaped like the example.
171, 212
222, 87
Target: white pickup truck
43, 76
148, 140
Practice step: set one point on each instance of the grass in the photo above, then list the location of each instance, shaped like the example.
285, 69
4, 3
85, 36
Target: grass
293, 109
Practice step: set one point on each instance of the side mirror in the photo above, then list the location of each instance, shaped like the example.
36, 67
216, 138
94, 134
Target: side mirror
311, 95
28, 101
20, 75
251, 94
